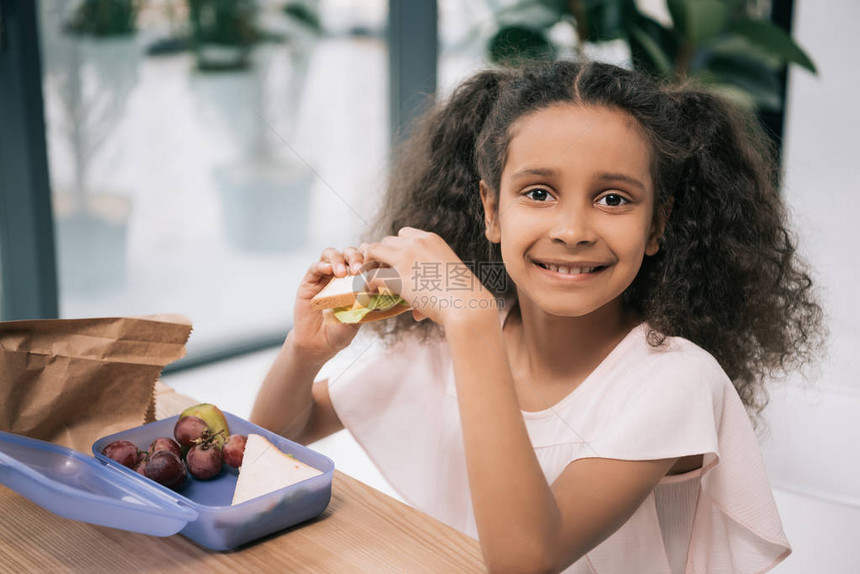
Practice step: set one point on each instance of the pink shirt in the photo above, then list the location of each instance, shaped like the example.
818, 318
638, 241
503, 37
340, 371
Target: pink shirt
640, 403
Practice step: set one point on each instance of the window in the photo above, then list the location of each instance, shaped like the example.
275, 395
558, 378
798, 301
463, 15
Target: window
205, 181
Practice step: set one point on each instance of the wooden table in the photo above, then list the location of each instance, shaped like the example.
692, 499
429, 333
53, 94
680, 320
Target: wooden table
362, 530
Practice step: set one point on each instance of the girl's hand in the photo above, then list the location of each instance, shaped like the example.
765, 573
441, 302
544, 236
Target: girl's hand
310, 334
429, 275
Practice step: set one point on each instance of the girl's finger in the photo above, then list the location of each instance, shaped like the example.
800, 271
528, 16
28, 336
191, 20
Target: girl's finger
409, 232
318, 275
391, 240
323, 268
335, 258
377, 252
354, 259
327, 253
317, 270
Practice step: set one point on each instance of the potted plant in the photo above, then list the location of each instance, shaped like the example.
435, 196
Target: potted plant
227, 31
265, 191
104, 18
727, 44
224, 32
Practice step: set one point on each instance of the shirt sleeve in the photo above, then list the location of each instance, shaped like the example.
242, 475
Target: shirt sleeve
687, 407
670, 410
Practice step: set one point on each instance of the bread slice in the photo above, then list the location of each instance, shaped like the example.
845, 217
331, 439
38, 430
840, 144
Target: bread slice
339, 292
266, 469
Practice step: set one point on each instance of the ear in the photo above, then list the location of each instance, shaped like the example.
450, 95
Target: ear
491, 220
658, 227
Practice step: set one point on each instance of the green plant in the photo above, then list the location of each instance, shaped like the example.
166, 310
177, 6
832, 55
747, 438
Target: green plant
104, 18
723, 43
225, 22
305, 14
225, 31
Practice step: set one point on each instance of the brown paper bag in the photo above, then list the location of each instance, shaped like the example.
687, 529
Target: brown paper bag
72, 381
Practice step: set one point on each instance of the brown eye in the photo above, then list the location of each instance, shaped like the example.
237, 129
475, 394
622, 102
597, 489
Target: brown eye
614, 200
542, 194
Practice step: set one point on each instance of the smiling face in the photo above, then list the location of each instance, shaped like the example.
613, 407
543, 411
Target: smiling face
576, 193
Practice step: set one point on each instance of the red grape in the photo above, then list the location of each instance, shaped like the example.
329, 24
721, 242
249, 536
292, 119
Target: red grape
141, 467
165, 443
164, 467
123, 452
234, 450
204, 461
189, 430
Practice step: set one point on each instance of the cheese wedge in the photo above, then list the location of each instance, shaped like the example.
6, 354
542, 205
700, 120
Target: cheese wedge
266, 469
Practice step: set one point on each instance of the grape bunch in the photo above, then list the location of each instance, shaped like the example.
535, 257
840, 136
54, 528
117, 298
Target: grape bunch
194, 449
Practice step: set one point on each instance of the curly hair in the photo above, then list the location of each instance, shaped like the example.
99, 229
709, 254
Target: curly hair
727, 276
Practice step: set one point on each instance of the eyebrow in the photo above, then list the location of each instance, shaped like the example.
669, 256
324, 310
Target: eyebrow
604, 176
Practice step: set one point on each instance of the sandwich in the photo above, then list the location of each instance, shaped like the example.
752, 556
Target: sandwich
265, 468
348, 300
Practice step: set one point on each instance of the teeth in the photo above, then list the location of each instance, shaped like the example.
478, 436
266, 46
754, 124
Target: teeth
568, 270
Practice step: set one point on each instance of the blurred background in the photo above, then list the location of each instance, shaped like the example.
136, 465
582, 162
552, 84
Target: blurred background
195, 156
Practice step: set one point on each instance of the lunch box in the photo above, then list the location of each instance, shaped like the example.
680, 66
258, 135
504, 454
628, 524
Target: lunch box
101, 491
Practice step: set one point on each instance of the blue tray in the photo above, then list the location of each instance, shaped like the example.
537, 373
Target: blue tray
101, 491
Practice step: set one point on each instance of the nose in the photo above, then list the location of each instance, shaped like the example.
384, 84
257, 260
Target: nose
572, 225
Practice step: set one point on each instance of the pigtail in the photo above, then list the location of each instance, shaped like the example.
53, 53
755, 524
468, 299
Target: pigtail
729, 277
434, 185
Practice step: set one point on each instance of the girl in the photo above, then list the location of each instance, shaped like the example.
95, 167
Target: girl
608, 277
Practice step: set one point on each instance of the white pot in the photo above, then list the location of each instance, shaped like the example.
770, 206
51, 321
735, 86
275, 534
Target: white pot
266, 204
91, 242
